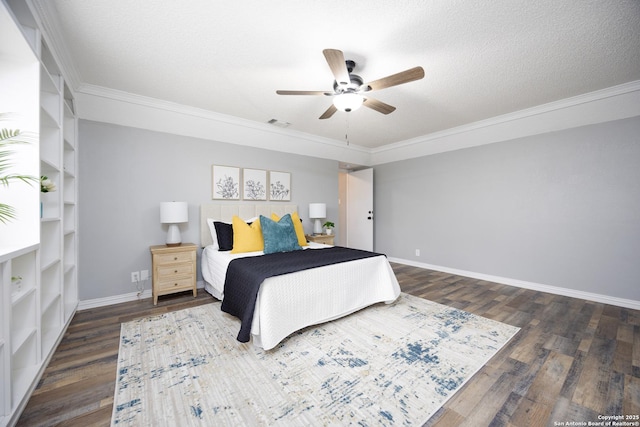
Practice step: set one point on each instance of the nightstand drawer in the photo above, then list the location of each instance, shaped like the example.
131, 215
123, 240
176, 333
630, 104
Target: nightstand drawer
171, 271
173, 258
182, 283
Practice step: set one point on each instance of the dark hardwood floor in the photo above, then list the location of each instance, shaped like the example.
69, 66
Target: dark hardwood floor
572, 361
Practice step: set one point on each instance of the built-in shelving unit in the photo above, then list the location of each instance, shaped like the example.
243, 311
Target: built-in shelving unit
69, 210
38, 250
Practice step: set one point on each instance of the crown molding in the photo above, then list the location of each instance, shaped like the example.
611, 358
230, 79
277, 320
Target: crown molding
118, 107
614, 103
122, 108
146, 101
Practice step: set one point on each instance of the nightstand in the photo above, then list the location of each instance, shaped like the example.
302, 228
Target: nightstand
174, 269
327, 239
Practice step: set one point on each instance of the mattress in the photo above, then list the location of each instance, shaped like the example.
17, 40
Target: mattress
215, 263
294, 301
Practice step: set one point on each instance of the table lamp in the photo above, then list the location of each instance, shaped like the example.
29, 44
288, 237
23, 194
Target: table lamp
173, 213
317, 211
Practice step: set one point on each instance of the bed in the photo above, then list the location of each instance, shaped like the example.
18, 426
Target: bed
293, 301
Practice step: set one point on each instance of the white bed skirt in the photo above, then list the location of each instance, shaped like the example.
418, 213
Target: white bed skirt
294, 301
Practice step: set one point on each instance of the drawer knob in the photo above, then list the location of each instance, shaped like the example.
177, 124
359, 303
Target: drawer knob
175, 271
175, 284
175, 258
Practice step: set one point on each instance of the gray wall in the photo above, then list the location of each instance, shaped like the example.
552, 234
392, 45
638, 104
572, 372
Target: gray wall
125, 173
559, 209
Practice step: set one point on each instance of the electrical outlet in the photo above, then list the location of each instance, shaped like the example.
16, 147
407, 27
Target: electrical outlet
135, 276
417, 252
144, 275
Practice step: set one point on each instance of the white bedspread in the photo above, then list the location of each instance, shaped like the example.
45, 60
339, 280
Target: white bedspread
293, 301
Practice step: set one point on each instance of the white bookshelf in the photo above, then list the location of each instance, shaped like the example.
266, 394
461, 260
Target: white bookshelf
69, 210
40, 246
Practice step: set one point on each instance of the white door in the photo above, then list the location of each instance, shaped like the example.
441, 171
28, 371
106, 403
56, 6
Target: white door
360, 209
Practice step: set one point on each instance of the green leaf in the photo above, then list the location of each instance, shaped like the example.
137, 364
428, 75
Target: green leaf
11, 137
7, 213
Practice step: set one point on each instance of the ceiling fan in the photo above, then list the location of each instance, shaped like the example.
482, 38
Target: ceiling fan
349, 89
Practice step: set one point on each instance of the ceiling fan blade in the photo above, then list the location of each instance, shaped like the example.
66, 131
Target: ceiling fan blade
402, 77
379, 106
303, 92
330, 111
335, 59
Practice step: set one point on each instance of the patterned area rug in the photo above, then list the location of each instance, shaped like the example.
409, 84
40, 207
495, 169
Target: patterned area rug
385, 365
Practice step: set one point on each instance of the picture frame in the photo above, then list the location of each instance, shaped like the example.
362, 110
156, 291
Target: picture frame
254, 184
280, 186
225, 182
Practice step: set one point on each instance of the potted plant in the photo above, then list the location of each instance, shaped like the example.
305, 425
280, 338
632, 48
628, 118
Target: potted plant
46, 185
16, 282
329, 227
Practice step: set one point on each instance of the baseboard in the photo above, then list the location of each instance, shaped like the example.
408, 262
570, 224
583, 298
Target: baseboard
605, 299
117, 299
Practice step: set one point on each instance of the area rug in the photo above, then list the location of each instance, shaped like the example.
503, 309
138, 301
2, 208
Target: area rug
388, 365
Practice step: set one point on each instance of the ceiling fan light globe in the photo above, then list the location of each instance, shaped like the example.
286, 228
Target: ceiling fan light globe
348, 102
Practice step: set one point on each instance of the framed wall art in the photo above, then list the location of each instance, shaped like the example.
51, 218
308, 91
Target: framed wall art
279, 186
254, 184
225, 182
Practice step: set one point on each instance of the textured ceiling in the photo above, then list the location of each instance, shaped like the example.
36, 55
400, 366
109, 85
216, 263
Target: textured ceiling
481, 58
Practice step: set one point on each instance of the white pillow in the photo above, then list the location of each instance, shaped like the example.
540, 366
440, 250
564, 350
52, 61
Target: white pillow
214, 235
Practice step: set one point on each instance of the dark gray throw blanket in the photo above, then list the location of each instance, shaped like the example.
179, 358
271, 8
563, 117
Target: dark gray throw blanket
245, 275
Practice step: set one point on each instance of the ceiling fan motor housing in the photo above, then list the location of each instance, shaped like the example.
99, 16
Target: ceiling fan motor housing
350, 89
355, 81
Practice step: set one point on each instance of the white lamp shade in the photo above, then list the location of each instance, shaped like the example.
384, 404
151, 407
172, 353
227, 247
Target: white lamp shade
348, 101
174, 212
317, 210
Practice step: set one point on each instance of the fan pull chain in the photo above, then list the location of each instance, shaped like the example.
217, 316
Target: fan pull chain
346, 132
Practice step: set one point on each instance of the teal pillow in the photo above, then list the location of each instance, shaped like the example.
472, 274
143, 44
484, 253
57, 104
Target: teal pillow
279, 236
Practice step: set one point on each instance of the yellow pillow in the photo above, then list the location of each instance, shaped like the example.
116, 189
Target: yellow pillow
297, 225
246, 238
